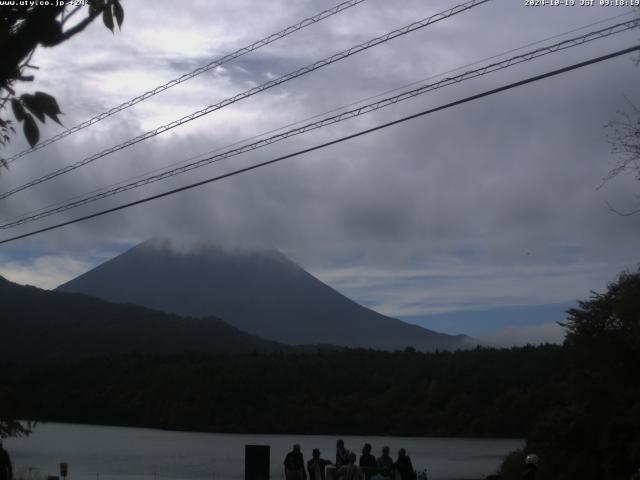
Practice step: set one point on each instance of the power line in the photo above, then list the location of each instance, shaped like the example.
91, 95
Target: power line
528, 56
194, 73
333, 142
485, 59
318, 115
265, 86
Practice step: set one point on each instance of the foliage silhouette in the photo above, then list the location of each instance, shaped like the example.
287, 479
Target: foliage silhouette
595, 432
24, 27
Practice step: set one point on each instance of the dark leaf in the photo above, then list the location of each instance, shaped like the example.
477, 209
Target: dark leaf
32, 105
95, 6
48, 105
55, 119
18, 109
3, 123
31, 130
118, 12
107, 19
12, 129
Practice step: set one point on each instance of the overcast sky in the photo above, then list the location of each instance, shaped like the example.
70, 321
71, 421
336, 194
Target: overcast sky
484, 219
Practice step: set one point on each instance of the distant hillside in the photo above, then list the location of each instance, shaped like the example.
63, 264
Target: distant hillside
263, 293
37, 324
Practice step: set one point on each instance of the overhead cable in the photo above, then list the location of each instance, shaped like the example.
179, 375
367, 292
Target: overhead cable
265, 86
332, 142
194, 73
371, 107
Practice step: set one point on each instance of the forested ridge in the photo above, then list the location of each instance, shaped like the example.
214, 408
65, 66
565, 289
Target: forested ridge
482, 392
38, 323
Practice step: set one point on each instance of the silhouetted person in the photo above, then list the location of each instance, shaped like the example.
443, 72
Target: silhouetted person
316, 466
385, 462
350, 471
294, 465
368, 462
530, 467
404, 467
6, 470
342, 454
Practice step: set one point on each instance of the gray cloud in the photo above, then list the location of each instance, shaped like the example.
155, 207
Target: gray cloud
509, 180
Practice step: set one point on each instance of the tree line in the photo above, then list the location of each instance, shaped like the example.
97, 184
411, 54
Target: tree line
577, 404
482, 392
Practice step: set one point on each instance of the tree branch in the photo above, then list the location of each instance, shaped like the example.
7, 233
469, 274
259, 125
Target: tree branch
83, 24
66, 18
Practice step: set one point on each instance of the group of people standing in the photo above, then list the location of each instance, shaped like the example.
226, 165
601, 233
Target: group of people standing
368, 468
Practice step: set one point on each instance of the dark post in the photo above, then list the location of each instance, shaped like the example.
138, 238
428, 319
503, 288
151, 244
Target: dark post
256, 462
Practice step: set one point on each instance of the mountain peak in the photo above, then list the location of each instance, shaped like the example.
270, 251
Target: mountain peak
260, 291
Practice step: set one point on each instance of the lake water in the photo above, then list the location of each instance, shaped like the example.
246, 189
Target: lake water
119, 453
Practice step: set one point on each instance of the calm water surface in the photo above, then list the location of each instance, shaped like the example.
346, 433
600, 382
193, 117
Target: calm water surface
119, 453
